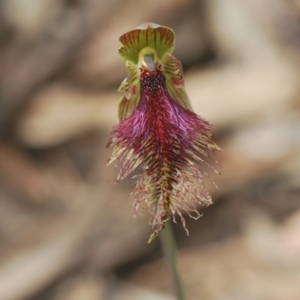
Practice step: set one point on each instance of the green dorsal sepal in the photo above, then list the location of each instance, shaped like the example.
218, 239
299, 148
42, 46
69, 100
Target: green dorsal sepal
158, 37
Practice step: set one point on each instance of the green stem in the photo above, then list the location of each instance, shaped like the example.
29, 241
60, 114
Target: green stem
169, 249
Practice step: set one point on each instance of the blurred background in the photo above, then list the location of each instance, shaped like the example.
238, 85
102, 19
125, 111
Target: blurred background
66, 232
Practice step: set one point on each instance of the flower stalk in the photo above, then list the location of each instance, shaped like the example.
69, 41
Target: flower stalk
169, 249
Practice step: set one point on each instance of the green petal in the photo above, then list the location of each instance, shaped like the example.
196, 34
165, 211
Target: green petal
174, 81
126, 107
130, 86
161, 38
123, 86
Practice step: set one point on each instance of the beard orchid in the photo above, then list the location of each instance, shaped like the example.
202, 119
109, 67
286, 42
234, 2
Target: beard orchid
159, 136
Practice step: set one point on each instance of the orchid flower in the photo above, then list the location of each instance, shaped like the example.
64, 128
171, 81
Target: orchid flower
159, 136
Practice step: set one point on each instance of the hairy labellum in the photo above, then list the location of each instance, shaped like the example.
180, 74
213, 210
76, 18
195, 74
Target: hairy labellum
163, 138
